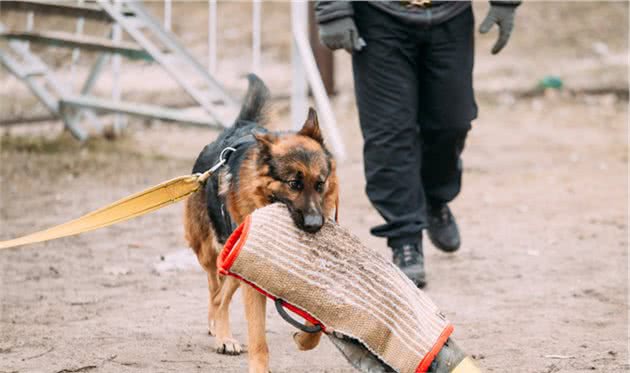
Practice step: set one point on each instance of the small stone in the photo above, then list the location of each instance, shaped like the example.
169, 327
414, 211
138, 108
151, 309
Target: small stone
600, 48
117, 271
537, 104
608, 100
574, 157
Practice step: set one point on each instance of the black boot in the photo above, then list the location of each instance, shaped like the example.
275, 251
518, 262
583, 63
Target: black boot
443, 230
410, 260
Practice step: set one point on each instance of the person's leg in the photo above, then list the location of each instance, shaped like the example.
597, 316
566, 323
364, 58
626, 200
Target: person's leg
386, 87
442, 164
447, 106
385, 84
442, 178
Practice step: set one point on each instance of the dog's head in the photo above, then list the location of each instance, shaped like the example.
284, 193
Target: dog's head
300, 173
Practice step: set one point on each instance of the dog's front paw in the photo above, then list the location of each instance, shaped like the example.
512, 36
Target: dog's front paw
228, 346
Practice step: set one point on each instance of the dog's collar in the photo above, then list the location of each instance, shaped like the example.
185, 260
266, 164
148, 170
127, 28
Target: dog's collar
240, 142
243, 140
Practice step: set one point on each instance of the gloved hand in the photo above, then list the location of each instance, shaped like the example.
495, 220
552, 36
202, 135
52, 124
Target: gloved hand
502, 15
341, 33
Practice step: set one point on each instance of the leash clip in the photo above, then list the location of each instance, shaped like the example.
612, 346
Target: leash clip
222, 160
222, 156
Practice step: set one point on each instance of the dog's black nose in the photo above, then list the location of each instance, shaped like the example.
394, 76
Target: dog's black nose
313, 222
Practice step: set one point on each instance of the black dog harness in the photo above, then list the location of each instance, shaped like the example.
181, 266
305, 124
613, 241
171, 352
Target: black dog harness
233, 153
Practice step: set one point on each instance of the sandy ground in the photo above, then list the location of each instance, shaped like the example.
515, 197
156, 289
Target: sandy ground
540, 284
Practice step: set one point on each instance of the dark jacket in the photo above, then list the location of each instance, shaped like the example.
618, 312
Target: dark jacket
438, 12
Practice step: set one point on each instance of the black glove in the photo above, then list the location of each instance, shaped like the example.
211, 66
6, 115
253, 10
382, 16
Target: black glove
503, 15
341, 33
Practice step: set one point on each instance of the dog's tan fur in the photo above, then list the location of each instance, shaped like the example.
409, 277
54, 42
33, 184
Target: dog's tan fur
255, 191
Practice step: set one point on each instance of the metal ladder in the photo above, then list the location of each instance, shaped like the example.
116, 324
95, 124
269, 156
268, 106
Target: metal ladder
174, 58
219, 107
29, 68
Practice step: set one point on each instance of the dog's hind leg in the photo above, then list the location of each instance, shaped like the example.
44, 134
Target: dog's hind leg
200, 236
207, 258
255, 311
306, 341
224, 341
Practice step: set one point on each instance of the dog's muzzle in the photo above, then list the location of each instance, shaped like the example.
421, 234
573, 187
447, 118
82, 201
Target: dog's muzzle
313, 222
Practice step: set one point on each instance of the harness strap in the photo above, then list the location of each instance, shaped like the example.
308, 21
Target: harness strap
239, 146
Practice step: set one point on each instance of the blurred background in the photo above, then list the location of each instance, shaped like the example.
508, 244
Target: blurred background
541, 281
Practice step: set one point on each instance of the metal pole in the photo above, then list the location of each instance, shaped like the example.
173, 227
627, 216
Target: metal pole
323, 55
167, 14
256, 14
116, 64
73, 120
319, 92
30, 17
76, 52
212, 36
299, 92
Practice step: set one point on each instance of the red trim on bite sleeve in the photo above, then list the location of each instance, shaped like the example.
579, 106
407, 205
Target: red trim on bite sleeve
430, 356
233, 246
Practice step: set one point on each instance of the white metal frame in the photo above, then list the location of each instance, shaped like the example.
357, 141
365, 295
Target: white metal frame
305, 73
319, 93
299, 88
212, 36
256, 35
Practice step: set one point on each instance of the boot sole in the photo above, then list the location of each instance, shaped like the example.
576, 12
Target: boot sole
445, 248
420, 283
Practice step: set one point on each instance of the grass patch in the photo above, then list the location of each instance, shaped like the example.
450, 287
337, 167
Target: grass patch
65, 143
39, 144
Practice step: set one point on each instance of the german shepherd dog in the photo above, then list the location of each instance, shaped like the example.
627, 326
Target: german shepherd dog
264, 167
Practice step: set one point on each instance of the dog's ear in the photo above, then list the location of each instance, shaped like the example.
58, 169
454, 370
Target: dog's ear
311, 127
265, 141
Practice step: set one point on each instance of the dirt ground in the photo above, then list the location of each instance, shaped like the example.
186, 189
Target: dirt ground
539, 285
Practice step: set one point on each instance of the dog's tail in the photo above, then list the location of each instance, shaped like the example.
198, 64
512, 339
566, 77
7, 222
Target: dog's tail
254, 102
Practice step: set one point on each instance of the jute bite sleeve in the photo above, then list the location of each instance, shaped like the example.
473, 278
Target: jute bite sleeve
332, 280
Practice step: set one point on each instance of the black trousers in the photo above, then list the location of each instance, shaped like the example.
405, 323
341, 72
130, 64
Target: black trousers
415, 97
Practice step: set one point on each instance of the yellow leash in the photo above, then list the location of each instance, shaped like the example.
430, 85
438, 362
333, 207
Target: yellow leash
137, 204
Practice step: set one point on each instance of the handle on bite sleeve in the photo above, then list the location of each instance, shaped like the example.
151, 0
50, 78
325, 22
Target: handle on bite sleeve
283, 313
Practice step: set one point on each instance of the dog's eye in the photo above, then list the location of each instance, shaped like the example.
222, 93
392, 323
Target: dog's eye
296, 184
319, 187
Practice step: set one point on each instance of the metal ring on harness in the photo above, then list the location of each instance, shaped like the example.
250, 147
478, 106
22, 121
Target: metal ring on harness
308, 329
222, 158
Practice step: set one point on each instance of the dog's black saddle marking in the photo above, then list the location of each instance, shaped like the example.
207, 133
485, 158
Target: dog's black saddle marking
240, 137
233, 161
